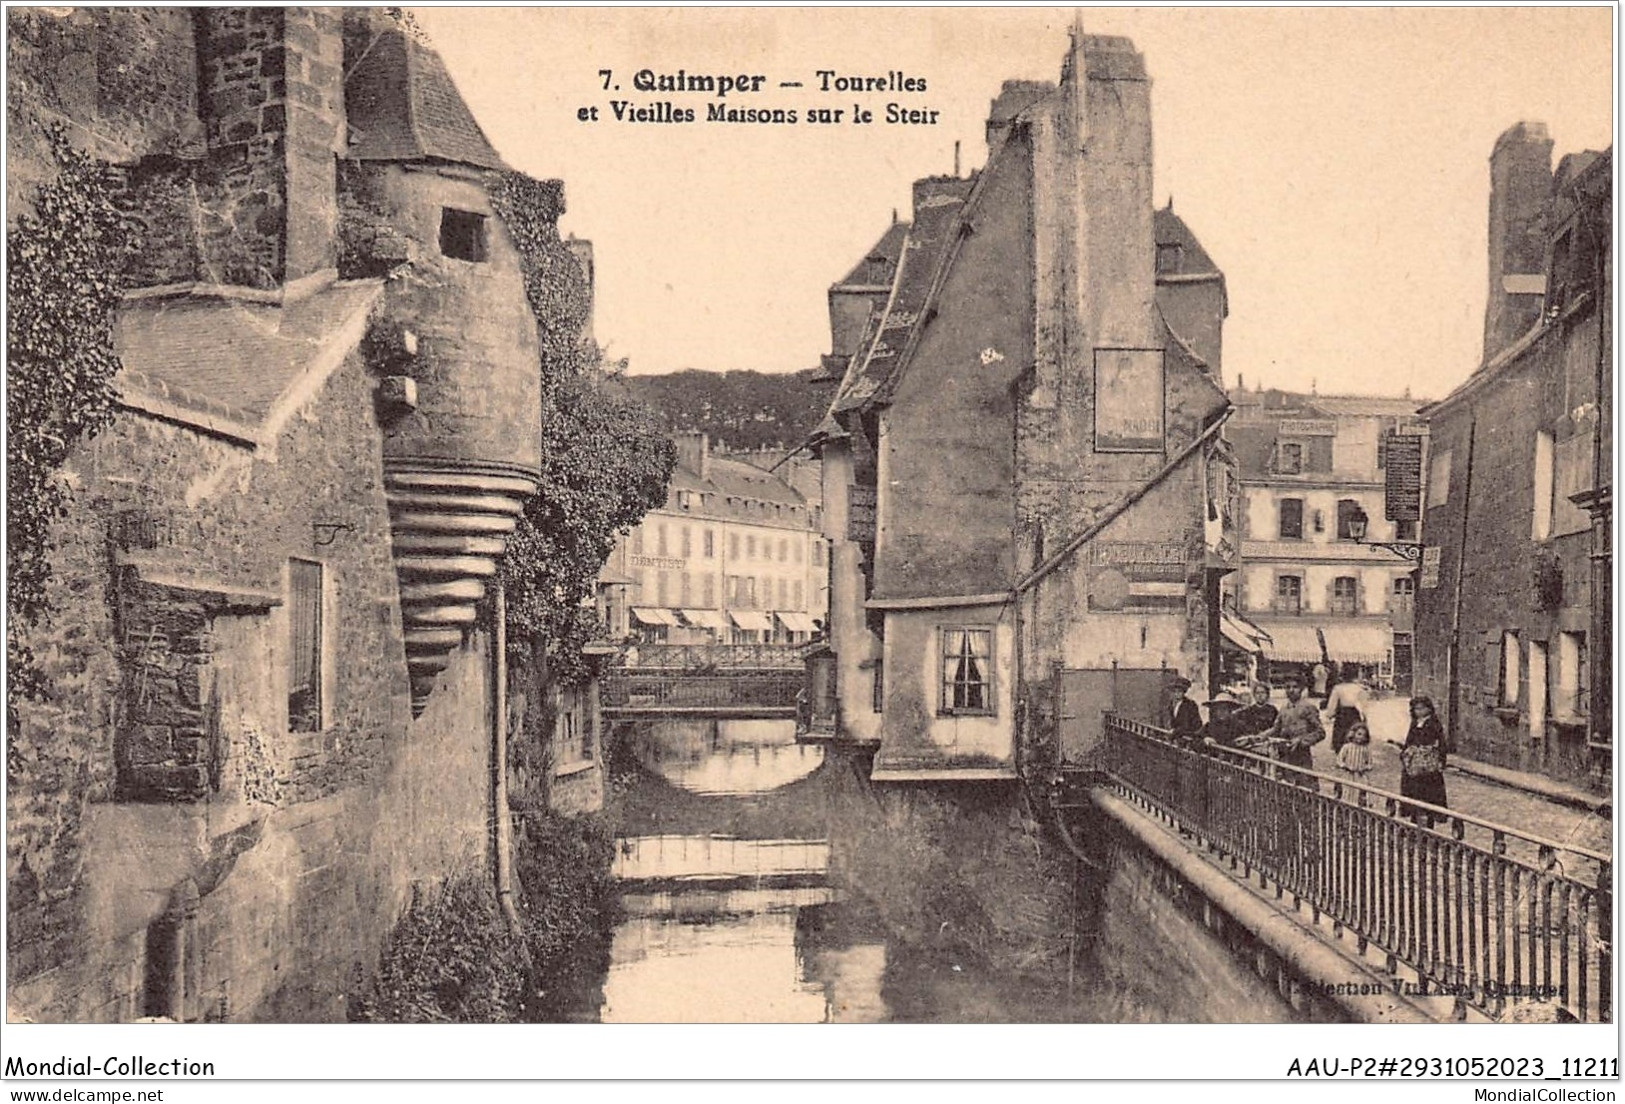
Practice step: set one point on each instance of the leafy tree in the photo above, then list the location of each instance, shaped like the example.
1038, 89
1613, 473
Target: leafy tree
605, 463
742, 409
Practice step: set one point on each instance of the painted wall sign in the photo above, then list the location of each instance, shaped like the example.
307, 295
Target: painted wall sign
1430, 567
1308, 427
657, 561
1142, 560
1129, 400
1402, 498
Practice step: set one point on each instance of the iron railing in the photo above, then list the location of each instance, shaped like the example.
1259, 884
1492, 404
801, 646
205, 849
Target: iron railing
656, 692
707, 657
1480, 911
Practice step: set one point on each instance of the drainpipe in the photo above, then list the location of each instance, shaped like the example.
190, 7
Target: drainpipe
1454, 691
501, 823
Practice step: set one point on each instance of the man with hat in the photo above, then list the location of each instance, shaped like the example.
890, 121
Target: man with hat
1185, 715
1222, 727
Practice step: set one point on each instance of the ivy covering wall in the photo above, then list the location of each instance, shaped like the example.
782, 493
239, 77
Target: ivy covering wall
65, 260
605, 458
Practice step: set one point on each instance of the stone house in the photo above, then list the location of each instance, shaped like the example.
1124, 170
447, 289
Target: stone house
1321, 589
275, 697
1029, 504
1515, 605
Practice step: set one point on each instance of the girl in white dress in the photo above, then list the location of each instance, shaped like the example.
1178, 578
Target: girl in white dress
1355, 754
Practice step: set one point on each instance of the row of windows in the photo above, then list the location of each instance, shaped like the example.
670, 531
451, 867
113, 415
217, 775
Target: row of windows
684, 588
1561, 469
1561, 679
1290, 524
682, 544
779, 511
1345, 596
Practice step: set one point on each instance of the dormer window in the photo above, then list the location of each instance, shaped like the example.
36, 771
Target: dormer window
462, 235
1169, 254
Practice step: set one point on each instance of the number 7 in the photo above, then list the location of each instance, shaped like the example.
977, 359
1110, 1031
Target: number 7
605, 73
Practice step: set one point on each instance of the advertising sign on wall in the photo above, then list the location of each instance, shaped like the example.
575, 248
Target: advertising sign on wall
1128, 400
1403, 498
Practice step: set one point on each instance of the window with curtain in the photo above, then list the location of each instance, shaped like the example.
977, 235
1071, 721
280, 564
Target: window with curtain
967, 670
304, 646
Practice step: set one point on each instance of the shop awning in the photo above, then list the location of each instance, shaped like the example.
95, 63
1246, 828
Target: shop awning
648, 615
1291, 642
751, 621
1357, 641
795, 621
705, 619
1242, 633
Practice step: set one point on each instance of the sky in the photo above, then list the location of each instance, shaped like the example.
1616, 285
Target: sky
1333, 162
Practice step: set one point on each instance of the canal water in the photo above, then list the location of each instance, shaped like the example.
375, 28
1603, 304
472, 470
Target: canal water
765, 881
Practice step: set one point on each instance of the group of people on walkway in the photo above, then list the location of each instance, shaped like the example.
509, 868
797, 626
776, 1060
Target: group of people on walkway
1289, 732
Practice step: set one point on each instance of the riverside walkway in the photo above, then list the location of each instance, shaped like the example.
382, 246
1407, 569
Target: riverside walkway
1500, 920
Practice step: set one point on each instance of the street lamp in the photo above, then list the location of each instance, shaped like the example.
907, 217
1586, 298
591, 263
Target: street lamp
1409, 550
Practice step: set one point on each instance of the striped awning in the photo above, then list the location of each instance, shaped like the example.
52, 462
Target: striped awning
751, 621
796, 621
1242, 633
1291, 642
650, 615
705, 619
1357, 641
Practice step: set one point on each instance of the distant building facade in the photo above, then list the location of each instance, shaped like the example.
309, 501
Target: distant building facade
1310, 466
1514, 613
1028, 499
735, 556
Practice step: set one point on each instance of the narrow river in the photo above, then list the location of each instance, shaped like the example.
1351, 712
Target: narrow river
765, 881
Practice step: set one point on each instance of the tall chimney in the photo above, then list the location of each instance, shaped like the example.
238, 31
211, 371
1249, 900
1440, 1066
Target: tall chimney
1520, 198
271, 95
694, 453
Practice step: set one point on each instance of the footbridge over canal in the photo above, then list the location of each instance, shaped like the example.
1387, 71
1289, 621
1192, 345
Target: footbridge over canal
1370, 905
705, 680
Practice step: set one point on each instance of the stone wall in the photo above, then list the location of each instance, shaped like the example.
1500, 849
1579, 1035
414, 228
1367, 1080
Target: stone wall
225, 122
300, 847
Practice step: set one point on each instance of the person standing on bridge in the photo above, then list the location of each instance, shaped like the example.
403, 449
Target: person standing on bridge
1422, 760
1299, 728
1184, 716
1346, 704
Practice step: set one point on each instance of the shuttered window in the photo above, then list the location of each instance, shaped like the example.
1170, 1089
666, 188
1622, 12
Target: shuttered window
304, 646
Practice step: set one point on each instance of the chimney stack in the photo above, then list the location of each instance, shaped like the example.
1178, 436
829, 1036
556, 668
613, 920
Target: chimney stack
1520, 197
271, 95
694, 453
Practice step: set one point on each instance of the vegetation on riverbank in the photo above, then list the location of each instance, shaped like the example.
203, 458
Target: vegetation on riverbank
453, 957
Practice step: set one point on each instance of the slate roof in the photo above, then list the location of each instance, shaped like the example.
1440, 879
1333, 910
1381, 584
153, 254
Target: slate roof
1289, 404
879, 265
1169, 229
402, 105
234, 360
737, 478
887, 334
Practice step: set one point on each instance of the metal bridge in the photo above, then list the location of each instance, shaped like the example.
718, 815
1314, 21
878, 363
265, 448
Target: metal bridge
1478, 910
741, 693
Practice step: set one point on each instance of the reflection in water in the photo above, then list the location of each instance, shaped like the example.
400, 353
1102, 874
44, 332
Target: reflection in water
720, 757
713, 925
764, 881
